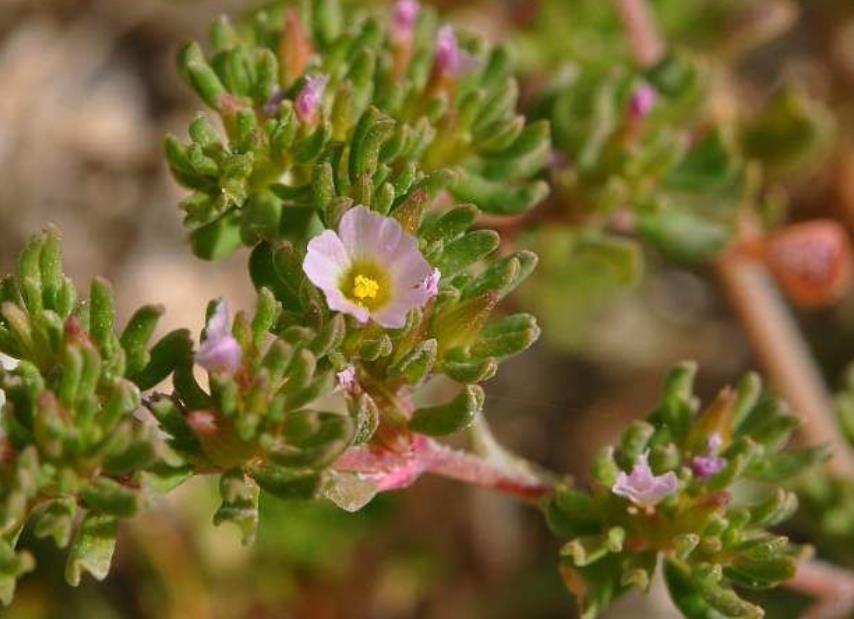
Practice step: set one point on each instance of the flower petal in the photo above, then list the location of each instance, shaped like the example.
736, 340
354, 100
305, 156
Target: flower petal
219, 324
337, 302
358, 230
326, 260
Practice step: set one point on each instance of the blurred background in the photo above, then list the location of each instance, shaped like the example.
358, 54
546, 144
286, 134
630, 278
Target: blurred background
89, 88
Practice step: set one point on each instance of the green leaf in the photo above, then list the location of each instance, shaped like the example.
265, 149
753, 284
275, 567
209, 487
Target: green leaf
56, 520
467, 250
496, 197
312, 439
137, 333
450, 225
454, 416
200, 75
217, 239
416, 365
591, 548
786, 465
707, 166
683, 235
92, 549
110, 498
13, 565
509, 336
239, 503
697, 598
794, 131
287, 484
172, 350
777, 508
572, 514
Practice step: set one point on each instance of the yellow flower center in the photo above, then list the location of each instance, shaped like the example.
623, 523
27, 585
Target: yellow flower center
365, 287
367, 284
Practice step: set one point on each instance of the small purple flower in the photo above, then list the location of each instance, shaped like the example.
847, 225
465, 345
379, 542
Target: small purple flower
310, 97
642, 102
707, 466
347, 378
710, 464
371, 268
219, 352
642, 487
403, 20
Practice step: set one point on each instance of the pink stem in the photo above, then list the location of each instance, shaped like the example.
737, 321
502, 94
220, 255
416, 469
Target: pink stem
646, 45
780, 347
833, 588
393, 469
471, 469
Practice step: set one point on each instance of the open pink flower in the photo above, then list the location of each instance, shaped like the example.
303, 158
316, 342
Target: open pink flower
370, 269
642, 487
219, 351
310, 97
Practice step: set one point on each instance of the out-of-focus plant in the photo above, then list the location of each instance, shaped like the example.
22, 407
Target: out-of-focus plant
355, 155
671, 491
664, 152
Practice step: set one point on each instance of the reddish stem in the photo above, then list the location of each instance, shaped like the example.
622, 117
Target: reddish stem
780, 347
832, 587
393, 469
641, 31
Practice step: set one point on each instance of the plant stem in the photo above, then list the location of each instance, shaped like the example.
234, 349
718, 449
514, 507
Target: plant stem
641, 31
781, 349
399, 466
520, 481
833, 588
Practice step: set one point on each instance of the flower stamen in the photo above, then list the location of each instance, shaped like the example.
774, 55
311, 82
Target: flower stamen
365, 287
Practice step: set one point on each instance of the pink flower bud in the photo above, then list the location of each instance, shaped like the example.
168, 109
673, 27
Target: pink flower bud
447, 50
711, 464
642, 102
450, 59
219, 352
310, 98
707, 466
346, 378
403, 20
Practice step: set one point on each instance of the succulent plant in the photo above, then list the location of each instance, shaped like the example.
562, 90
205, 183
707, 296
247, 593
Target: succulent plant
361, 159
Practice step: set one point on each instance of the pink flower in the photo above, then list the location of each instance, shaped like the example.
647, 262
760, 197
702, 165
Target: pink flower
711, 464
370, 269
310, 97
346, 378
450, 59
643, 488
219, 352
403, 20
642, 102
